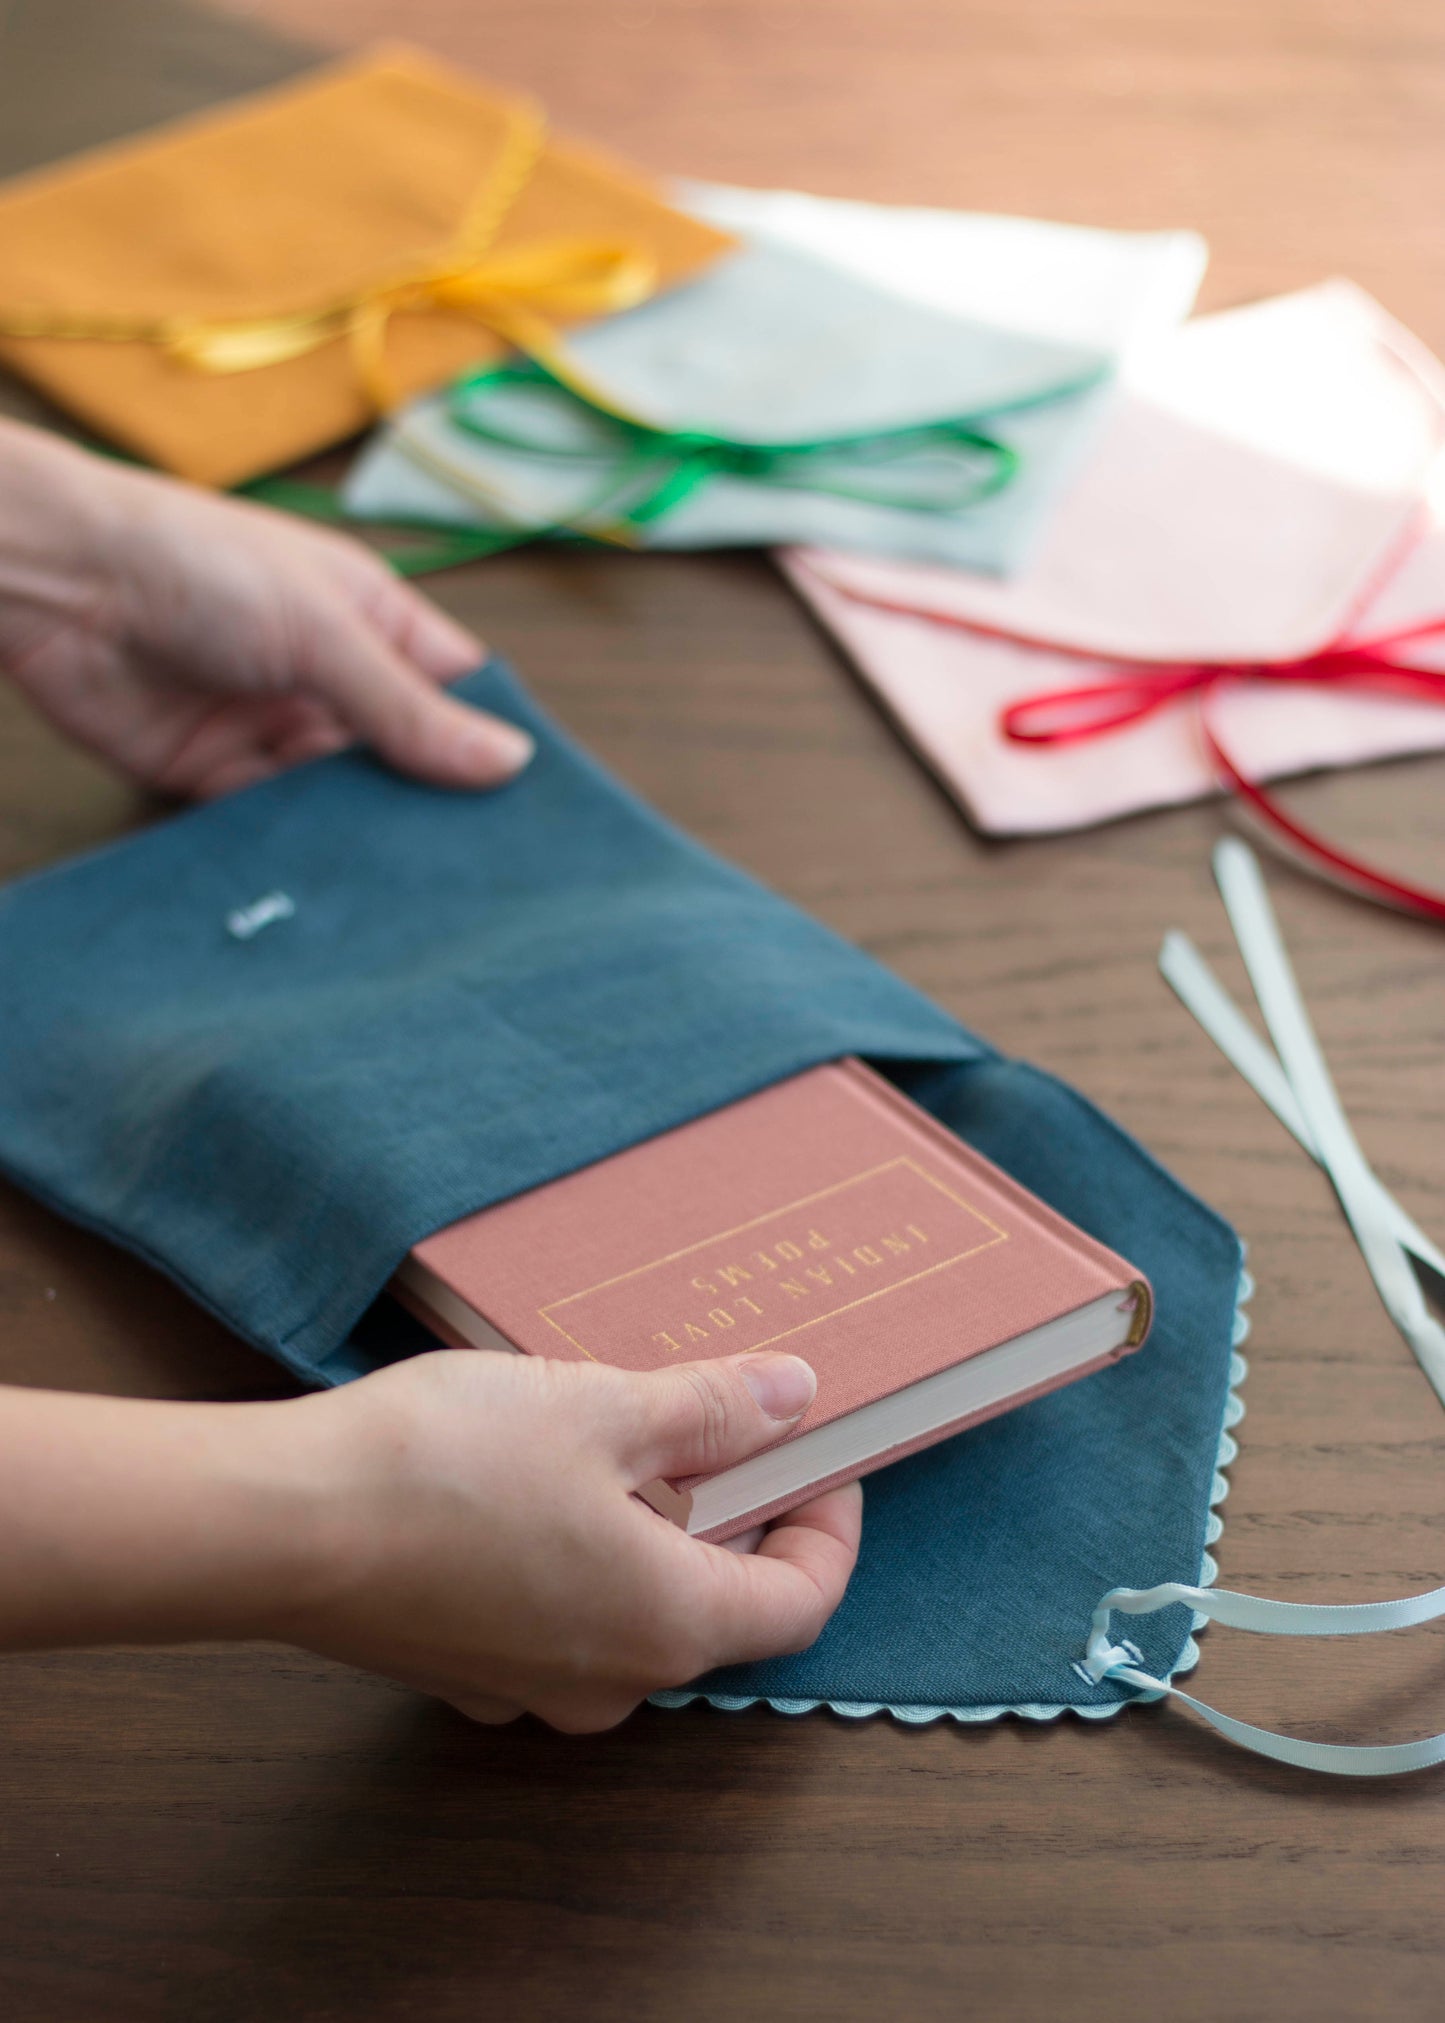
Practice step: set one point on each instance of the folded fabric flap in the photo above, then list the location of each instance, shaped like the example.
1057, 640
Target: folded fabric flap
1071, 283
974, 1584
272, 1043
774, 346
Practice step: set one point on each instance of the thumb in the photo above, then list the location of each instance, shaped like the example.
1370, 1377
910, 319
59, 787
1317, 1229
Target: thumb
700, 1417
389, 703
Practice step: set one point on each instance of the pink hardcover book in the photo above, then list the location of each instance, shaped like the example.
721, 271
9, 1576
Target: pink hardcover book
829, 1216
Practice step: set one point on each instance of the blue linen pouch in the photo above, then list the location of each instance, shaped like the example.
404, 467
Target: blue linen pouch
459, 997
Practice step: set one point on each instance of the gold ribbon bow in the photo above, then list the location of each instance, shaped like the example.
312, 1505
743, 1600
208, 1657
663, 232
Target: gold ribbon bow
520, 295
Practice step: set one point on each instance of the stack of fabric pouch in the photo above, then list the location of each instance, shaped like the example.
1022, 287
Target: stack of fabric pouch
776, 398
272, 1043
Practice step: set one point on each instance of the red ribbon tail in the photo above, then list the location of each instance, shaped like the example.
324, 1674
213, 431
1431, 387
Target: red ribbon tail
1353, 871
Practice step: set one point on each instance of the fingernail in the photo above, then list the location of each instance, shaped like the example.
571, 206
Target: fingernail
505, 748
783, 1385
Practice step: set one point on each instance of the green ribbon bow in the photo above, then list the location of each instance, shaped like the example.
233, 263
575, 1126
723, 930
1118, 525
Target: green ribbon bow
647, 471
930, 467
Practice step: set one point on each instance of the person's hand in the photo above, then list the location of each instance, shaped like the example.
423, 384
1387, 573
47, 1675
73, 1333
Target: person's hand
200, 643
483, 1544
463, 1522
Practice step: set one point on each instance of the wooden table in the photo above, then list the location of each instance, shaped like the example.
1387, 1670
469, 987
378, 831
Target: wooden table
255, 1834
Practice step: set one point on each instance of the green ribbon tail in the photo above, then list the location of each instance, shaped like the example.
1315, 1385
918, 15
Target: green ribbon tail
411, 547
648, 472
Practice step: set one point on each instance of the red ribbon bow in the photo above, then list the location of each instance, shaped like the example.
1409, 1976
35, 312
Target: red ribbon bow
1065, 716
1069, 715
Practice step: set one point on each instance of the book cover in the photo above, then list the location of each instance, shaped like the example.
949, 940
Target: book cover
828, 1216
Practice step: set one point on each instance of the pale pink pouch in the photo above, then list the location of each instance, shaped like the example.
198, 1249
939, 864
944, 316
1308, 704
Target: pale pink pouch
1260, 488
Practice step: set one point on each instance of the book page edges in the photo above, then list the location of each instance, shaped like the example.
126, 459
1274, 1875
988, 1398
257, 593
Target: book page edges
718, 1534
1065, 1369
415, 1289
432, 1302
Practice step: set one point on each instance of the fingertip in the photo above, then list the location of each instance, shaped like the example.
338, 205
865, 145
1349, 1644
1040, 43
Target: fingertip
820, 1540
444, 649
836, 1515
496, 751
365, 669
782, 1384
465, 749
438, 645
779, 1598
745, 1541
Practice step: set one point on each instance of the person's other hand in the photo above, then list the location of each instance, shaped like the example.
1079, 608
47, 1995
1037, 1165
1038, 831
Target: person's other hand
200, 643
483, 1543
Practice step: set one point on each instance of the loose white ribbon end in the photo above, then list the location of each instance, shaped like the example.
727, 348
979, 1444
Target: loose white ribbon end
1122, 1662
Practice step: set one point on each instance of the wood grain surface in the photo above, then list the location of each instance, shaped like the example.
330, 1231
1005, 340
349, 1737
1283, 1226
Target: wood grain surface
255, 1834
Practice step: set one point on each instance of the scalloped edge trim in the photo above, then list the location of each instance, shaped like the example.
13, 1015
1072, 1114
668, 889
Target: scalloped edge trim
1032, 1710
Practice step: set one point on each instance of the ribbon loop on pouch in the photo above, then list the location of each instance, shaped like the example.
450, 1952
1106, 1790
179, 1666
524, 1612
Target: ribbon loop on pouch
1294, 1080
1065, 716
1104, 1659
520, 294
649, 470
1377, 665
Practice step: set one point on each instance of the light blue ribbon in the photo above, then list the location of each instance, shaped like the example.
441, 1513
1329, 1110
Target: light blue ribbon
1201, 993
1295, 1082
1104, 1659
